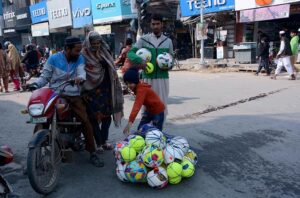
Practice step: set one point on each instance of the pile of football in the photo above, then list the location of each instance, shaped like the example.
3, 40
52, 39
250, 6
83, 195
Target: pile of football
155, 158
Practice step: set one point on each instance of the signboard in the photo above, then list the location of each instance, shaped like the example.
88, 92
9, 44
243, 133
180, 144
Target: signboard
263, 14
41, 29
126, 10
59, 12
9, 16
104, 29
192, 7
39, 12
107, 11
9, 30
201, 31
1, 10
81, 13
250, 4
23, 18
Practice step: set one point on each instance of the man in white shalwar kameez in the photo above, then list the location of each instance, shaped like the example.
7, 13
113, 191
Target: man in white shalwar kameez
284, 57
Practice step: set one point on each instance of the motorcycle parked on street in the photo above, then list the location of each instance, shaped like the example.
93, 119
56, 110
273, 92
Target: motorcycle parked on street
6, 157
57, 134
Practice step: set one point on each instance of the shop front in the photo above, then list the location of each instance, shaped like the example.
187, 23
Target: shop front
60, 21
269, 19
23, 25
117, 14
9, 30
219, 28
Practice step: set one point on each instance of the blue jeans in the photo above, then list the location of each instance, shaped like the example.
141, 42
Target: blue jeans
157, 120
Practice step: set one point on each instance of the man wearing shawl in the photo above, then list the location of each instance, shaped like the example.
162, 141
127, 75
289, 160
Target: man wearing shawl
102, 89
4, 69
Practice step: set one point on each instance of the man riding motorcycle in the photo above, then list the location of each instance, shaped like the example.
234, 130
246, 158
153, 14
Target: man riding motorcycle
64, 66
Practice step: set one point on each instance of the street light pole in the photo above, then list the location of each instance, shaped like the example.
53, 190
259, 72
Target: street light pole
202, 39
139, 32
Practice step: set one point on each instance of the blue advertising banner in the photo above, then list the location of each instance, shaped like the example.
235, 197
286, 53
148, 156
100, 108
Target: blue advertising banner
107, 11
39, 12
192, 7
81, 13
1, 9
126, 10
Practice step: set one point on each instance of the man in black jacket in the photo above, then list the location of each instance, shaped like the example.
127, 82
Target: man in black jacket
31, 60
263, 56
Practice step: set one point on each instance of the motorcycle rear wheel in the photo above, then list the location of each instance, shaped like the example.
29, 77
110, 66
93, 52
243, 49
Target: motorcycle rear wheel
43, 176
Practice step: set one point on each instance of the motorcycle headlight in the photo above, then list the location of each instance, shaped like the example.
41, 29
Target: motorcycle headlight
36, 109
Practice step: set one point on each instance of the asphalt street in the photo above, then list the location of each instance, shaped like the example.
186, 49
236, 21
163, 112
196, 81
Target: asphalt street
245, 129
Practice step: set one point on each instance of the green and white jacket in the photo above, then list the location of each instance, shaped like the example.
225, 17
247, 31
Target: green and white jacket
156, 46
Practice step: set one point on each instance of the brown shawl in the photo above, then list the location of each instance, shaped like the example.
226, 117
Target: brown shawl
14, 58
95, 75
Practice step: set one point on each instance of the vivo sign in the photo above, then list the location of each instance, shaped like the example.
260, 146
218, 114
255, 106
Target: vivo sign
192, 7
82, 13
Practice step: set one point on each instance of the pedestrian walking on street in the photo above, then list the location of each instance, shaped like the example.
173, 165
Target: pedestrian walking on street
154, 107
16, 69
102, 90
284, 57
30, 60
263, 56
4, 70
156, 43
64, 66
294, 48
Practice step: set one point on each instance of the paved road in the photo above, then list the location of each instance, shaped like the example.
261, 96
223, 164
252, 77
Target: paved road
244, 128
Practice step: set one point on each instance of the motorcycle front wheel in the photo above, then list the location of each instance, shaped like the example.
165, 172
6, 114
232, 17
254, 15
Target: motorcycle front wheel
43, 175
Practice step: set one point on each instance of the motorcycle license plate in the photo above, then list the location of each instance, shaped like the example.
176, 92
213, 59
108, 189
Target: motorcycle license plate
38, 120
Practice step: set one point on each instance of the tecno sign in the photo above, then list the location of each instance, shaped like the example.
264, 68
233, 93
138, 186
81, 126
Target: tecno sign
39, 12
209, 3
60, 13
82, 12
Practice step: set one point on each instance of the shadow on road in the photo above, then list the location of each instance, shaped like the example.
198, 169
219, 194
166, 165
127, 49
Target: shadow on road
180, 99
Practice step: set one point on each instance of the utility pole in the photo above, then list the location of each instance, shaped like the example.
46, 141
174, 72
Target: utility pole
202, 39
139, 31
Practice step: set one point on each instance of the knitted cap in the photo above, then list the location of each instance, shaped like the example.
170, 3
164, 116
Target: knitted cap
72, 40
131, 76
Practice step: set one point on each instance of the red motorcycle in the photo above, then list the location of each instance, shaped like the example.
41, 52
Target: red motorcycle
6, 157
57, 134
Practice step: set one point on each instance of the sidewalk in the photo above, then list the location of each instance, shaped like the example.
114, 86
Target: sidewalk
216, 66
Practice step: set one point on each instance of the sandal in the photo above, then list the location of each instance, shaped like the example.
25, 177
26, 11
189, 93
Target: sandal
107, 146
100, 150
96, 161
292, 77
